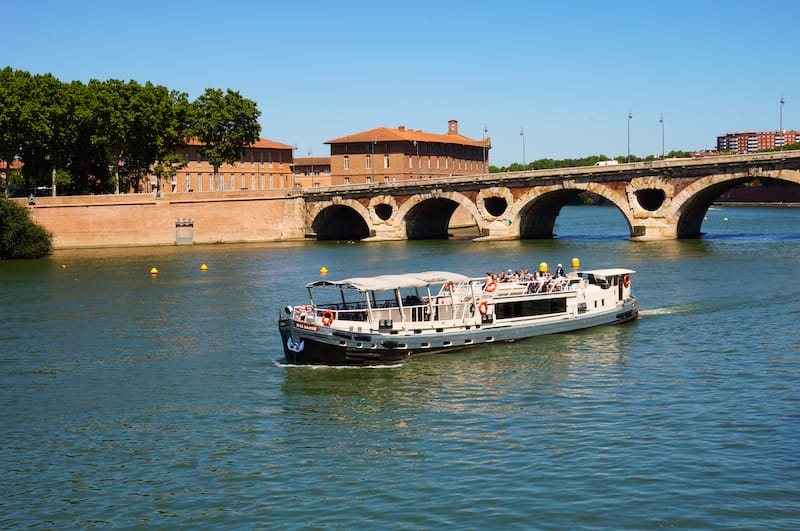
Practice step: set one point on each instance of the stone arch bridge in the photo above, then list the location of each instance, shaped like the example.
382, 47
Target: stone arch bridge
664, 199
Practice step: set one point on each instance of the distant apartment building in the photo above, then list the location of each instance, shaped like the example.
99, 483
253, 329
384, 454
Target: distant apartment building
397, 154
312, 172
749, 141
264, 165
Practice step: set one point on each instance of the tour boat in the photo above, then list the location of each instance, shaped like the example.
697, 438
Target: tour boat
387, 319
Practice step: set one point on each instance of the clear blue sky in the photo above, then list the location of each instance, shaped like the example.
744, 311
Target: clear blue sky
567, 72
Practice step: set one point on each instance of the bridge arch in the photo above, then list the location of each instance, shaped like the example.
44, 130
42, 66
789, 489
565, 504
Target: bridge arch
339, 219
689, 207
535, 212
427, 216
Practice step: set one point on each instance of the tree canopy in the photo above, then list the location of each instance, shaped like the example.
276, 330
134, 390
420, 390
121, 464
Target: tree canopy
105, 136
224, 123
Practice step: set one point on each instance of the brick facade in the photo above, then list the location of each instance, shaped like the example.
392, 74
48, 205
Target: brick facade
387, 155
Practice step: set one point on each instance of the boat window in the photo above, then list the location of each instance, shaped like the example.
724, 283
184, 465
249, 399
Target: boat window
508, 310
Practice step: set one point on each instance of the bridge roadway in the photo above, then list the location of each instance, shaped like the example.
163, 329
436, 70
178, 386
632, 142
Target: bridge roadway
660, 200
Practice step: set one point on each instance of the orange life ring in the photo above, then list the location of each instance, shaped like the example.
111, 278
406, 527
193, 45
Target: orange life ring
626, 280
490, 286
483, 307
327, 317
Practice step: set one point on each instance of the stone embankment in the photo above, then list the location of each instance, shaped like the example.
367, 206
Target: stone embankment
142, 219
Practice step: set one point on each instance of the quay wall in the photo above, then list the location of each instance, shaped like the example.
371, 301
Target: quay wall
143, 219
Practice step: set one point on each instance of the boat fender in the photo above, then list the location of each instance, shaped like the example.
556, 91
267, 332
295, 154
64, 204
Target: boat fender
490, 287
327, 317
483, 307
626, 280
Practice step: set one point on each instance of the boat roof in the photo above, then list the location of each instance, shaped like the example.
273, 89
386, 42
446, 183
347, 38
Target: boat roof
390, 282
607, 272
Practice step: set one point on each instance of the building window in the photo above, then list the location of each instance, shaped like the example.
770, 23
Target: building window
369, 162
369, 180
347, 162
347, 180
410, 161
386, 161
270, 158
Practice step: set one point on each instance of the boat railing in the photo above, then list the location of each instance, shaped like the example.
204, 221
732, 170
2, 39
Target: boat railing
519, 288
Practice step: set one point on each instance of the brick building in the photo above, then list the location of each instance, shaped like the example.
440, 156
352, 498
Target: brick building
263, 165
311, 172
385, 155
749, 141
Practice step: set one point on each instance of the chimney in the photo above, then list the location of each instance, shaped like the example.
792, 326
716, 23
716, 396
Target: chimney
401, 128
452, 127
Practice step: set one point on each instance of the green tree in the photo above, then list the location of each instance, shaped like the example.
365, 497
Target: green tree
12, 132
20, 237
224, 123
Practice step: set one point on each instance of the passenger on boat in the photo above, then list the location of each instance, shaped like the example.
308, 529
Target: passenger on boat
559, 271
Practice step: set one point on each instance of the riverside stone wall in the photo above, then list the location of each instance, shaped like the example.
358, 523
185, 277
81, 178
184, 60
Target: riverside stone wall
142, 219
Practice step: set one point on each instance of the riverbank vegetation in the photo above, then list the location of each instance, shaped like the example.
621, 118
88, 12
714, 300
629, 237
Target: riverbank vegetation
105, 136
551, 164
20, 236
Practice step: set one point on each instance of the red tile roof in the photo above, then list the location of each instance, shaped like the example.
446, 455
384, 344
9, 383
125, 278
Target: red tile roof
261, 143
388, 134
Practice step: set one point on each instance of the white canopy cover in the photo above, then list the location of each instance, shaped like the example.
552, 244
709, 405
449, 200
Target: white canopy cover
391, 282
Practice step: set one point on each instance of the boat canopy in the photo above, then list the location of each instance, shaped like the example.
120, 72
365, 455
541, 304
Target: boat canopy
608, 272
391, 282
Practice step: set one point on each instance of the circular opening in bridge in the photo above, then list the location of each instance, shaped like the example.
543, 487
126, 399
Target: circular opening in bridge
651, 199
383, 211
495, 205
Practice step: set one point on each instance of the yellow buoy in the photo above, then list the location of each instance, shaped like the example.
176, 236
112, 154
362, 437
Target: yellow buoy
154, 271
323, 270
203, 267
543, 267
576, 263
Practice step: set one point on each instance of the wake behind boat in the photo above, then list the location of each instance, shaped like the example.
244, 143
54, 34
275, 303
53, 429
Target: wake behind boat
389, 318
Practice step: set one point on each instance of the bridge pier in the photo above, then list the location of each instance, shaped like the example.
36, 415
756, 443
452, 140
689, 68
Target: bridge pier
653, 229
498, 230
385, 232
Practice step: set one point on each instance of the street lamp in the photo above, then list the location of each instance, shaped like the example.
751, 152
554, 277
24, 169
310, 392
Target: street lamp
311, 156
485, 130
416, 145
630, 116
372, 159
661, 120
781, 122
522, 134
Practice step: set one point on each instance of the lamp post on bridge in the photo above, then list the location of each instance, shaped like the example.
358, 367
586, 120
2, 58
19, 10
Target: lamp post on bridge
781, 117
522, 134
418, 164
485, 130
630, 116
661, 120
372, 158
